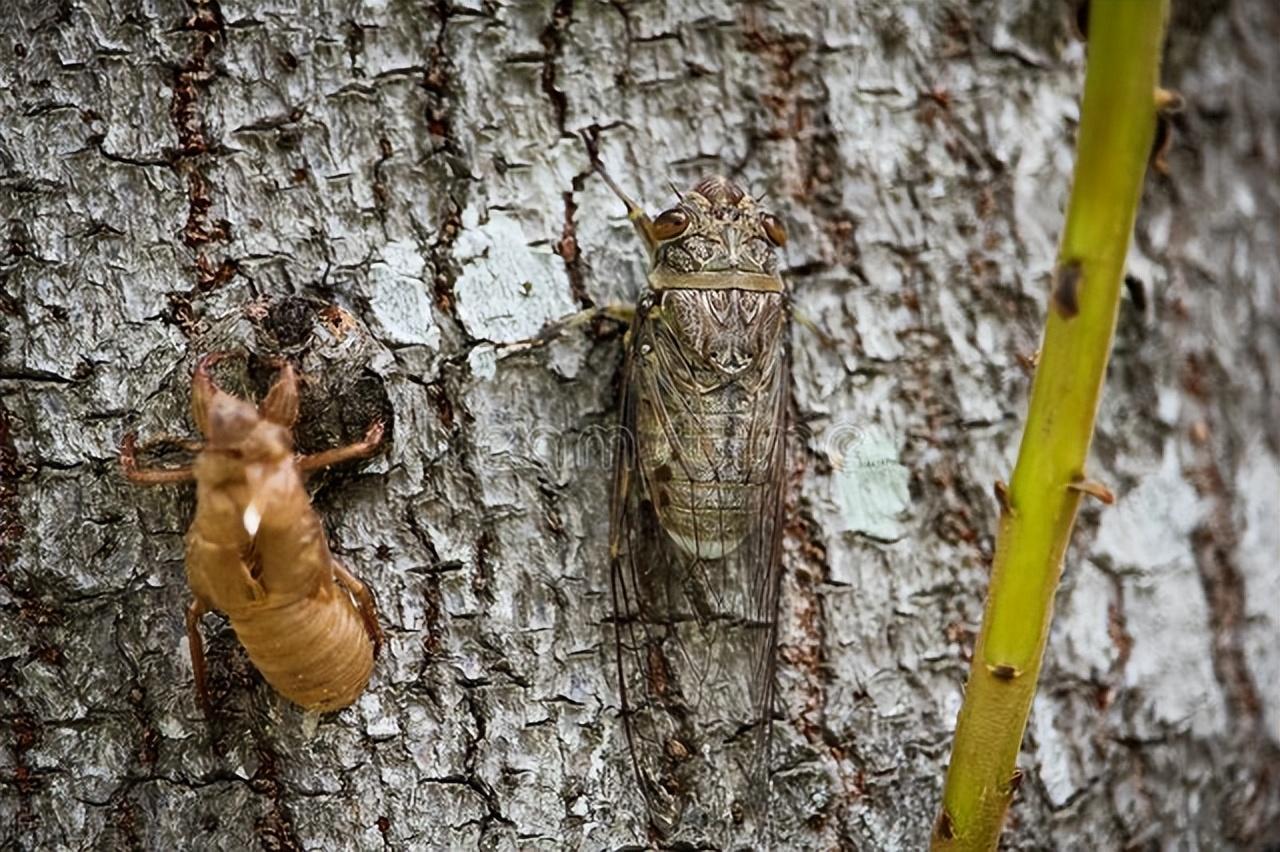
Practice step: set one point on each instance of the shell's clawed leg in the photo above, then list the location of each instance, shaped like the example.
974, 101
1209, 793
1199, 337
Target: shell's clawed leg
166, 440
147, 476
363, 448
364, 601
281, 404
196, 644
204, 390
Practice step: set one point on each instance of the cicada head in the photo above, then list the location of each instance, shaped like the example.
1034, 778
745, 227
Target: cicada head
717, 231
235, 431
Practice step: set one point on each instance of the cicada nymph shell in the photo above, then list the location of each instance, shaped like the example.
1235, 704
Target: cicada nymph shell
257, 551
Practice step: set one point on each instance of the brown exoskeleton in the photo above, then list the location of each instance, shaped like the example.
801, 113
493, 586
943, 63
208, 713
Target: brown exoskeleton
257, 551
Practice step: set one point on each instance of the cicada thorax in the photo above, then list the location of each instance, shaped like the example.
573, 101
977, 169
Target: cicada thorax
697, 515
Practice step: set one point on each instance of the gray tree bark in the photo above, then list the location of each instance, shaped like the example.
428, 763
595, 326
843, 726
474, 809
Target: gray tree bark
386, 191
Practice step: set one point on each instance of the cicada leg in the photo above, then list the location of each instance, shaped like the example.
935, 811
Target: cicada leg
196, 643
623, 314
166, 440
147, 476
619, 313
204, 390
364, 601
808, 324
363, 448
281, 403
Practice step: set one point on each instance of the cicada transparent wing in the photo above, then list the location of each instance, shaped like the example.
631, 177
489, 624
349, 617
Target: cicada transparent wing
696, 546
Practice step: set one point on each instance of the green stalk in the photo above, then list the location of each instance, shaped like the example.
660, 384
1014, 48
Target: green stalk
1117, 125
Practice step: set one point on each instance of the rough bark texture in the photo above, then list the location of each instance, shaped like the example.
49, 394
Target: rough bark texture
383, 191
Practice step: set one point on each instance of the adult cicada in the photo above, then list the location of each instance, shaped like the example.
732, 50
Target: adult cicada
697, 507
257, 551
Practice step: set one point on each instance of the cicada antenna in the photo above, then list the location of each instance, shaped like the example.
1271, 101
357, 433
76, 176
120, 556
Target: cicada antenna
639, 219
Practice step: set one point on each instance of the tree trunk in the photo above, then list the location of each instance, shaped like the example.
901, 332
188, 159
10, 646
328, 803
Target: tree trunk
384, 191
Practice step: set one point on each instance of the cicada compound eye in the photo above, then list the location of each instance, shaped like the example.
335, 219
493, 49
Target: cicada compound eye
773, 229
672, 223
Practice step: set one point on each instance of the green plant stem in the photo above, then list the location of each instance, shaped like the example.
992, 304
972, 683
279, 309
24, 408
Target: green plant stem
1117, 125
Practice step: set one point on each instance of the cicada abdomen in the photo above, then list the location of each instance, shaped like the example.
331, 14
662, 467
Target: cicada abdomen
695, 541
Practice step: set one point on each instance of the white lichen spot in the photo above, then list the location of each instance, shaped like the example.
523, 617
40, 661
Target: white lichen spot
483, 361
173, 728
1147, 536
508, 290
1055, 753
398, 299
868, 483
1081, 638
1168, 404
1150, 524
378, 724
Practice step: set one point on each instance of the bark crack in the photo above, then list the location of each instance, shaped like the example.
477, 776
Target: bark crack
275, 828
801, 125
23, 726
552, 40
567, 247
1214, 544
200, 232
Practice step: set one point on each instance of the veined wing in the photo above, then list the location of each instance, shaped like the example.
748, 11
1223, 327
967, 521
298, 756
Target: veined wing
695, 557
